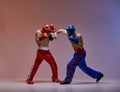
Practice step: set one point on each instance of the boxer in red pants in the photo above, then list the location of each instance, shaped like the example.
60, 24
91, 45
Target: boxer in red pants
42, 38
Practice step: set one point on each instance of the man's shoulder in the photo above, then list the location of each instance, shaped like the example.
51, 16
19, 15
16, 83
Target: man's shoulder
78, 34
38, 30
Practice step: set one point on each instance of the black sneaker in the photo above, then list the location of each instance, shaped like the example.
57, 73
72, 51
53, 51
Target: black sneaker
65, 82
99, 78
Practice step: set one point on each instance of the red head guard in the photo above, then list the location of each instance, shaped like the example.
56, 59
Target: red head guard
45, 28
48, 28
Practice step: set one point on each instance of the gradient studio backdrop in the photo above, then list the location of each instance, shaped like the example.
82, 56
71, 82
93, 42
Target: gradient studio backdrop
97, 20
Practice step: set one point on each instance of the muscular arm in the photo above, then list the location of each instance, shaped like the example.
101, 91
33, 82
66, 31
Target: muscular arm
53, 35
78, 36
62, 31
80, 41
37, 34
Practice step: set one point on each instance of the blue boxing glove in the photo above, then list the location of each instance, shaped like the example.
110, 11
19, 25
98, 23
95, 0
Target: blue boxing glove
73, 38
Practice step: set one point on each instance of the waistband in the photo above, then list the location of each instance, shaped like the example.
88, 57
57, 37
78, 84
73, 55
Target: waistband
43, 48
78, 50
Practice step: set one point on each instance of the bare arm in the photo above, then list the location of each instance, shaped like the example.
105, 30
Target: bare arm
53, 35
62, 31
37, 36
80, 41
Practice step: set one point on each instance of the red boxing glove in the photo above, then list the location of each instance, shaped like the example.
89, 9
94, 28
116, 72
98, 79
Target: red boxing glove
43, 36
52, 27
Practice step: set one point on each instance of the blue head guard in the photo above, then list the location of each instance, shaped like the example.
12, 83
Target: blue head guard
70, 29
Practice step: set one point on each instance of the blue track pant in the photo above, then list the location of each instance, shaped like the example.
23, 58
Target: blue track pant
79, 60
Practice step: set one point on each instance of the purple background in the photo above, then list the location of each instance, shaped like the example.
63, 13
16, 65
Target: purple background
97, 20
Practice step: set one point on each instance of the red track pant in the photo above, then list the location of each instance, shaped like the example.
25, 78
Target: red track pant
47, 56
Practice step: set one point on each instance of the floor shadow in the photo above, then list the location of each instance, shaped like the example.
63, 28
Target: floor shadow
35, 81
85, 83
42, 81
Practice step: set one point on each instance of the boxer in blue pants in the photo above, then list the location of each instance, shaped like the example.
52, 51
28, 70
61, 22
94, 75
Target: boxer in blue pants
79, 60
78, 57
